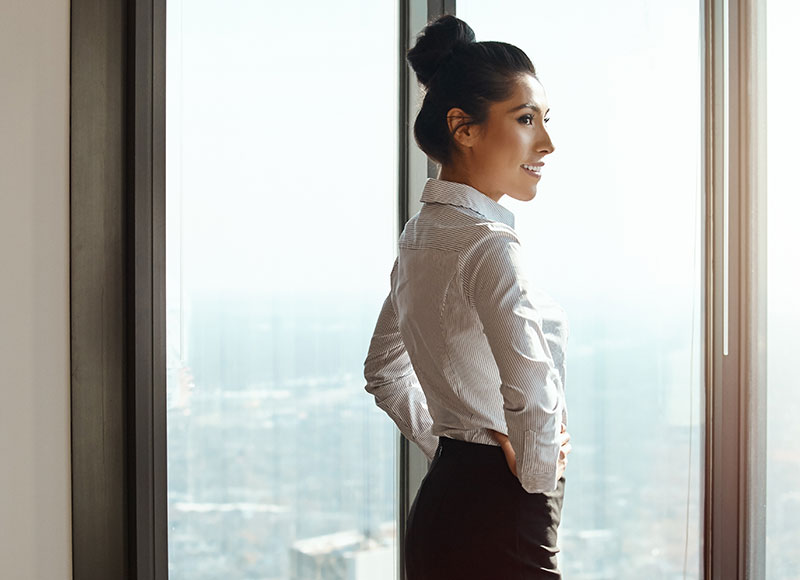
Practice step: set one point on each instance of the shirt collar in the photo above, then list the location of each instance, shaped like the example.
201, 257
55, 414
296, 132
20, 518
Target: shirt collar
461, 194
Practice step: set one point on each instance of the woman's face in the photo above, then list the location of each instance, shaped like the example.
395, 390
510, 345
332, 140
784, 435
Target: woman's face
504, 155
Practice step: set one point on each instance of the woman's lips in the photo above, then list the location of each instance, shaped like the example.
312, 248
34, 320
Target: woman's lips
535, 172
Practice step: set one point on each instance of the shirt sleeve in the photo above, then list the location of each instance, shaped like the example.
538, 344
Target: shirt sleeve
392, 381
499, 289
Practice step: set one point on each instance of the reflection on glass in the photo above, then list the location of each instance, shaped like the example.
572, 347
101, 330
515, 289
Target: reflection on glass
614, 235
783, 281
281, 209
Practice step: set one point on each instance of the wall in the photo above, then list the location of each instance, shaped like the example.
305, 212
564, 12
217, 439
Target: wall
35, 528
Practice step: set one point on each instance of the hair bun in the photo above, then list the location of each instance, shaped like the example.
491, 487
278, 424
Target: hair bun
437, 41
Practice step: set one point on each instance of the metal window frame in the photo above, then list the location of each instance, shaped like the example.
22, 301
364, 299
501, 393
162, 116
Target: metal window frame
735, 285
147, 330
117, 274
98, 284
117, 289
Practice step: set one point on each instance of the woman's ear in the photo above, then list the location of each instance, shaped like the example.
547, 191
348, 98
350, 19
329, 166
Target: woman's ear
461, 128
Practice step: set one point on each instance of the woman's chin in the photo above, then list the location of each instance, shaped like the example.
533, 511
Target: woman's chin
527, 195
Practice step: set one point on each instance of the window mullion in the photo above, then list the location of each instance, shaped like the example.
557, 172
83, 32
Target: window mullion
735, 354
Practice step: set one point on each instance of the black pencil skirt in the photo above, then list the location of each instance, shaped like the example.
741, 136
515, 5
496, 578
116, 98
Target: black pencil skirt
473, 520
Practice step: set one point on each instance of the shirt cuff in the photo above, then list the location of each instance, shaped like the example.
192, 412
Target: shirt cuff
539, 463
540, 482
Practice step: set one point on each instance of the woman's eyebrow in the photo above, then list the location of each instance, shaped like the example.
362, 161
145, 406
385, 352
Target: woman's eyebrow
529, 106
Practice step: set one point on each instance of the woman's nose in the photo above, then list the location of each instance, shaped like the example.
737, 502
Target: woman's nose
547, 145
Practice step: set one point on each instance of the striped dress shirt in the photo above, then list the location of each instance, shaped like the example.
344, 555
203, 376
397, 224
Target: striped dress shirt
464, 341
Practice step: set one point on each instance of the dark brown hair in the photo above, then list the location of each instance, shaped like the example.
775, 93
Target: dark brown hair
457, 71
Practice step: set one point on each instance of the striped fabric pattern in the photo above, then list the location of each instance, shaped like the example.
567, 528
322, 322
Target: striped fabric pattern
465, 341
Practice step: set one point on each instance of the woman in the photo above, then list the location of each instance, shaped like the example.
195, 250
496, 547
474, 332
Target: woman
467, 356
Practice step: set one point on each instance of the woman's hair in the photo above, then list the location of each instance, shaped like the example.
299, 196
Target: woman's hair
457, 71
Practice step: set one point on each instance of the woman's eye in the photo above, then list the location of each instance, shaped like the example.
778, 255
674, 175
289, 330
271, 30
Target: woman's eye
526, 118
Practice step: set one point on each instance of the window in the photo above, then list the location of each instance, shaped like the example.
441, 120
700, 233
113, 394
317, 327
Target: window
282, 215
281, 232
783, 308
614, 236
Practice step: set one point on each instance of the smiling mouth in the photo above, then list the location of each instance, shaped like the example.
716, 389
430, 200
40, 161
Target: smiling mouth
532, 170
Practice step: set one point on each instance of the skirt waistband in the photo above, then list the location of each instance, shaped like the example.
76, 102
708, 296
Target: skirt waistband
448, 445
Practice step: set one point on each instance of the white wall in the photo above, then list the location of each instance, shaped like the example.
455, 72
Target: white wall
35, 524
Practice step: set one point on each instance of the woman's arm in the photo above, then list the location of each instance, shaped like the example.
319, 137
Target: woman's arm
392, 381
498, 287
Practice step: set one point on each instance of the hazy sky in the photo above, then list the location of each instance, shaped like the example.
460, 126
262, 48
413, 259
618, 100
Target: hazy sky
285, 153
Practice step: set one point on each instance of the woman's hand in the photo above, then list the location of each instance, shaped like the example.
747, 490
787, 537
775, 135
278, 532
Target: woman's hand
505, 444
511, 456
566, 447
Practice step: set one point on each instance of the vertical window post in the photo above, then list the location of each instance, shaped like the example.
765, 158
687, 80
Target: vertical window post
735, 289
146, 267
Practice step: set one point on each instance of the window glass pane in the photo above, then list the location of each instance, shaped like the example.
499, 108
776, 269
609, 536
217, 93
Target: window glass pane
282, 227
614, 236
783, 281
